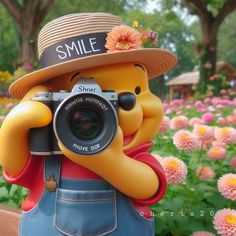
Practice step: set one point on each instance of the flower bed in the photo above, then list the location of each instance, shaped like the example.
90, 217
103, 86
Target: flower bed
199, 138
196, 147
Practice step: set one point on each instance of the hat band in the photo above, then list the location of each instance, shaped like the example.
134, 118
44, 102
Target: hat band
73, 48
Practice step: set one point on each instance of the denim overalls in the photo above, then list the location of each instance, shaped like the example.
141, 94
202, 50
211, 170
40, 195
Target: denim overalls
82, 208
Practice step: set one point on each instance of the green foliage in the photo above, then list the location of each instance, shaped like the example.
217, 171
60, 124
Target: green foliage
11, 195
8, 40
215, 5
217, 83
63, 7
227, 40
173, 35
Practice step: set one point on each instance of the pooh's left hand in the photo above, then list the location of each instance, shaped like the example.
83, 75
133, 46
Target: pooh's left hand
131, 177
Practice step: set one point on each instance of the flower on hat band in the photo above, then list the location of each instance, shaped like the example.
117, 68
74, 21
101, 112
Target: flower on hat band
123, 37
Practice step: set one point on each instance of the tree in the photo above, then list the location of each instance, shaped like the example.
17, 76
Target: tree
211, 14
28, 15
174, 35
8, 40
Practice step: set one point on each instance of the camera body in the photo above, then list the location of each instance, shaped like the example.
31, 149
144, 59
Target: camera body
84, 120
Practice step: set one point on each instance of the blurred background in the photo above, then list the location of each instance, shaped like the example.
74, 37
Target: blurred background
201, 33
196, 144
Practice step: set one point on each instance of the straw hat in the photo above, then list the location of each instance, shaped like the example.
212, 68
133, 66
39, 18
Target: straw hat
77, 41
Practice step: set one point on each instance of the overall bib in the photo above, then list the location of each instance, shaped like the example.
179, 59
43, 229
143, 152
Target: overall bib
82, 207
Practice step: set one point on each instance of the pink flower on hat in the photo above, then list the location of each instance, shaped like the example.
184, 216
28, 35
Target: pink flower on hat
216, 153
203, 132
227, 186
205, 172
165, 125
225, 222
185, 140
175, 169
202, 233
122, 38
225, 134
179, 122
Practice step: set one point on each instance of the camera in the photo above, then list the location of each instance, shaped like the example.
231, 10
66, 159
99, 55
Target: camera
84, 120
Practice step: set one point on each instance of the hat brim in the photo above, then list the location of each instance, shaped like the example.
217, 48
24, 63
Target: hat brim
156, 61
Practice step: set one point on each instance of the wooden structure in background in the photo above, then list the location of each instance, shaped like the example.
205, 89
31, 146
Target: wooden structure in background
183, 85
9, 221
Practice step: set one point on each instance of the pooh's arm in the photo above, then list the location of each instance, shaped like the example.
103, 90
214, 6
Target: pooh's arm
132, 177
14, 147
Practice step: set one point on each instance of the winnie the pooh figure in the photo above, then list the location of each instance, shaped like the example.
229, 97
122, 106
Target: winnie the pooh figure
79, 138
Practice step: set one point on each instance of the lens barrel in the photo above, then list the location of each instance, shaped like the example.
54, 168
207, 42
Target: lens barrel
85, 123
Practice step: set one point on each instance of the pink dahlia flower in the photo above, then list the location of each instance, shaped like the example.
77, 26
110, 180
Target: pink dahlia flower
9, 105
165, 125
207, 101
208, 117
203, 132
199, 104
223, 91
175, 169
233, 162
222, 121
218, 144
231, 119
225, 222
202, 233
123, 38
227, 186
195, 120
216, 153
225, 134
205, 172
185, 140
179, 122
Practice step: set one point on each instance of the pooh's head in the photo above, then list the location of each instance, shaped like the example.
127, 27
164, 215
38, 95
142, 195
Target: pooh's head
139, 112
99, 45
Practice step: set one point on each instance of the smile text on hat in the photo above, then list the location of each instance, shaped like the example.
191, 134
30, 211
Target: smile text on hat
80, 47
72, 48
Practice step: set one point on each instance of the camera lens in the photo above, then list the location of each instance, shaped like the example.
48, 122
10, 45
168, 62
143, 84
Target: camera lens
86, 124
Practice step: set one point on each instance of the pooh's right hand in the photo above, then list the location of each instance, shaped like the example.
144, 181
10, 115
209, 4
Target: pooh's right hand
14, 147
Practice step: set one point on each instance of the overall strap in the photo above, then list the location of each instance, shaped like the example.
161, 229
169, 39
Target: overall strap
52, 169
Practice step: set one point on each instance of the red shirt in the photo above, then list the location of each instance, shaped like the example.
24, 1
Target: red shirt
32, 177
